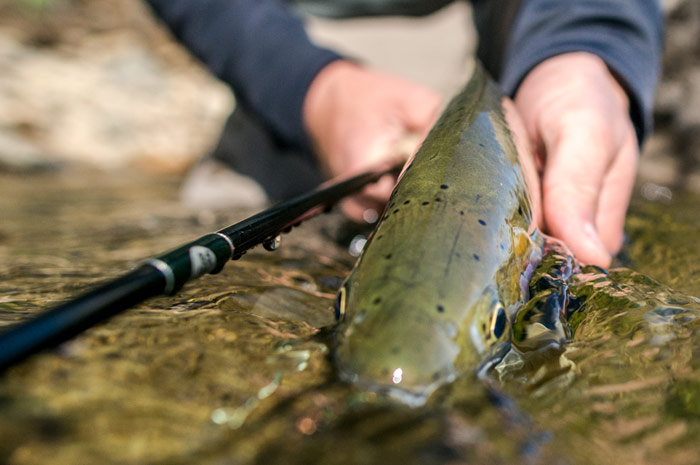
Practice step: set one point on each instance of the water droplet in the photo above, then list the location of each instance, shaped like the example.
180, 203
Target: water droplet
370, 216
357, 244
272, 244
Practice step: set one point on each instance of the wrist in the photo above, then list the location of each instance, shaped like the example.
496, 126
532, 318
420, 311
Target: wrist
583, 66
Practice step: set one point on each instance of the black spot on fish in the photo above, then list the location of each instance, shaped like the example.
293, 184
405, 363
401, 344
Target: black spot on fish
407, 202
388, 256
520, 211
396, 350
458, 255
377, 300
440, 308
436, 376
444, 186
380, 236
391, 205
425, 203
478, 197
482, 222
438, 199
503, 247
396, 211
481, 145
461, 212
476, 257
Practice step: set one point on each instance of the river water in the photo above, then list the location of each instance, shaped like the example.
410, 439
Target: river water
235, 368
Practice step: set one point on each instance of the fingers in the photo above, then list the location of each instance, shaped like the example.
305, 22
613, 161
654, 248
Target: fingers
615, 195
586, 188
355, 209
367, 206
571, 186
380, 190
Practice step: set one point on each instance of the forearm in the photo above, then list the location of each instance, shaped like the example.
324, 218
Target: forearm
259, 48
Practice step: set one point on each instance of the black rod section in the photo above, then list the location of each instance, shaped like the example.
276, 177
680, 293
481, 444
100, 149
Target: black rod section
168, 272
70, 319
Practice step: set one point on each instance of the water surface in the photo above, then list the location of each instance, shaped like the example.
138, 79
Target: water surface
236, 367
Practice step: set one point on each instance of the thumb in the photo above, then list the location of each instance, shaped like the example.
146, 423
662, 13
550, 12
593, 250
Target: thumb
572, 182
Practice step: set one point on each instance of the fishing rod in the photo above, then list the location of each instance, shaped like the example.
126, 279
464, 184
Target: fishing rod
167, 273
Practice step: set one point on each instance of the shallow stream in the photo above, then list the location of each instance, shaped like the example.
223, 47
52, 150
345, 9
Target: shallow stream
235, 368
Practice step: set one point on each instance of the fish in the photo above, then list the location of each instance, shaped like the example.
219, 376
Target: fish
435, 289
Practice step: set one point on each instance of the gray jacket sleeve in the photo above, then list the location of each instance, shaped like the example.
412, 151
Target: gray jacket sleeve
626, 34
259, 48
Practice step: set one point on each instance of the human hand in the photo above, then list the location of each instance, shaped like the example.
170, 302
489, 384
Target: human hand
577, 116
356, 117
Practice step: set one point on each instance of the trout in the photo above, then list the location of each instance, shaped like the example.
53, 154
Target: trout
435, 289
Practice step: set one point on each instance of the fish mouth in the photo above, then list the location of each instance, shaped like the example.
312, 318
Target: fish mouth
407, 365
416, 395
412, 396
398, 385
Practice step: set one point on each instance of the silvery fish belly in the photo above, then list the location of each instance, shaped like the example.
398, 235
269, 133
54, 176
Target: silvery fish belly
434, 291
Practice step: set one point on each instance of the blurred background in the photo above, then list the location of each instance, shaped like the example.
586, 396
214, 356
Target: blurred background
102, 115
101, 84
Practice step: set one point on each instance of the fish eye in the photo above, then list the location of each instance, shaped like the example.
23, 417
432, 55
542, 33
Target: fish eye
498, 321
339, 304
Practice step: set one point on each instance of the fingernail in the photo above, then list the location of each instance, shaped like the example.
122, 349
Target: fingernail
593, 236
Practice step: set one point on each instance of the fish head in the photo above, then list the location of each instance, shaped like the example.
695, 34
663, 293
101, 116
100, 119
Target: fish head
407, 349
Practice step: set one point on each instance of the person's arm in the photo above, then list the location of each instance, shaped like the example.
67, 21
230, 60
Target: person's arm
626, 34
583, 74
348, 115
259, 48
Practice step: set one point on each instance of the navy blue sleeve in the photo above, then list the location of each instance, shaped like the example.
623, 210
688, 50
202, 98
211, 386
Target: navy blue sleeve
259, 48
626, 34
